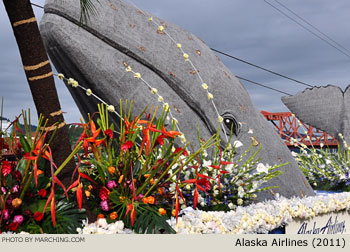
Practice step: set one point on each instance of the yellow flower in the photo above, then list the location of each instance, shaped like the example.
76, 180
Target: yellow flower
186, 57
87, 193
162, 211
220, 119
205, 86
210, 96
183, 139
150, 19
160, 28
75, 84
120, 179
111, 108
137, 76
179, 45
128, 69
173, 213
60, 76
160, 98
154, 91
70, 81
166, 106
88, 92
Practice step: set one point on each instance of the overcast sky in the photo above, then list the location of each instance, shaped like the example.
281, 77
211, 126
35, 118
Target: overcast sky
248, 29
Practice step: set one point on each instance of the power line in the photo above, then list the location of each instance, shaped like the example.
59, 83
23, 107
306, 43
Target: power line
262, 68
36, 5
311, 25
309, 30
262, 85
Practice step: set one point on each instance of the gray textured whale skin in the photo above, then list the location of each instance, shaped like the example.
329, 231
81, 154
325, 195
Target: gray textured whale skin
94, 55
326, 108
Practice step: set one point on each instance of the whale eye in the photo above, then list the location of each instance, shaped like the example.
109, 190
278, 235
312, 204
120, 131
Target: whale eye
230, 124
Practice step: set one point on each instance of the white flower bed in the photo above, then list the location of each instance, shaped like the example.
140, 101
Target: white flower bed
261, 217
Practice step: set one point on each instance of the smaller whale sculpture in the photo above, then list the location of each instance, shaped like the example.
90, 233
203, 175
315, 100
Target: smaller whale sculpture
326, 108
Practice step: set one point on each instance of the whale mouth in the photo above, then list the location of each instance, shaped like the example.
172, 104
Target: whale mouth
174, 84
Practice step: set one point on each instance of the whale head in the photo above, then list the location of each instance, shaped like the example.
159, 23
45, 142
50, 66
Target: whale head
96, 54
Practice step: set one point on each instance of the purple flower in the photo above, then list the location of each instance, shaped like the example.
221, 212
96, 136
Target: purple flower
111, 184
104, 205
18, 219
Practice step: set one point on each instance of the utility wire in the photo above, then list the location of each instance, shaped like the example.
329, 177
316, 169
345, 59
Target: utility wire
311, 25
36, 5
262, 85
309, 30
262, 68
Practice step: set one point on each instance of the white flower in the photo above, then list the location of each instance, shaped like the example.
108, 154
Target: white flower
183, 138
237, 144
205, 86
220, 119
294, 154
239, 202
111, 108
60, 76
128, 69
231, 206
70, 81
262, 168
160, 98
250, 131
328, 161
206, 163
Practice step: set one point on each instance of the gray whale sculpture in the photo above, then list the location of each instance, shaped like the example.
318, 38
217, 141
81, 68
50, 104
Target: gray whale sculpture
94, 54
326, 108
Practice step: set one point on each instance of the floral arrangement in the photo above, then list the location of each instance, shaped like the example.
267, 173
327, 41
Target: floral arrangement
29, 201
139, 176
324, 169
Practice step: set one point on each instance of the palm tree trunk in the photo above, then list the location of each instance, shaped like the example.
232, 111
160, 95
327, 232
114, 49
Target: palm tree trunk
40, 77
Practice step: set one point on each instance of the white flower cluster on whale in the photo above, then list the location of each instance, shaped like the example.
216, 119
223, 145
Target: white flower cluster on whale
260, 217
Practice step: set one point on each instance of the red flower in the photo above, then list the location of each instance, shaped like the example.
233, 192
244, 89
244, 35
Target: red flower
42, 193
109, 133
38, 216
126, 146
13, 226
184, 153
6, 168
17, 175
104, 193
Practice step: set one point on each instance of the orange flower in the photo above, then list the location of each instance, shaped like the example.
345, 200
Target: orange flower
113, 216
16, 203
161, 190
147, 175
90, 187
120, 179
173, 212
148, 200
39, 172
87, 193
152, 181
111, 170
162, 211
122, 198
100, 216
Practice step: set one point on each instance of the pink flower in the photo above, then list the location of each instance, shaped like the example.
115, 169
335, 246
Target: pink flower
6, 214
111, 184
104, 205
15, 188
18, 219
3, 190
6, 168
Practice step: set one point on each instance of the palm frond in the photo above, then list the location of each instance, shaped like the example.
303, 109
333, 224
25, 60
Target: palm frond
87, 8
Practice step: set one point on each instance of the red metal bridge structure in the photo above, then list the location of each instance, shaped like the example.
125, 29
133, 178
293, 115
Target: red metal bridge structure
289, 127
